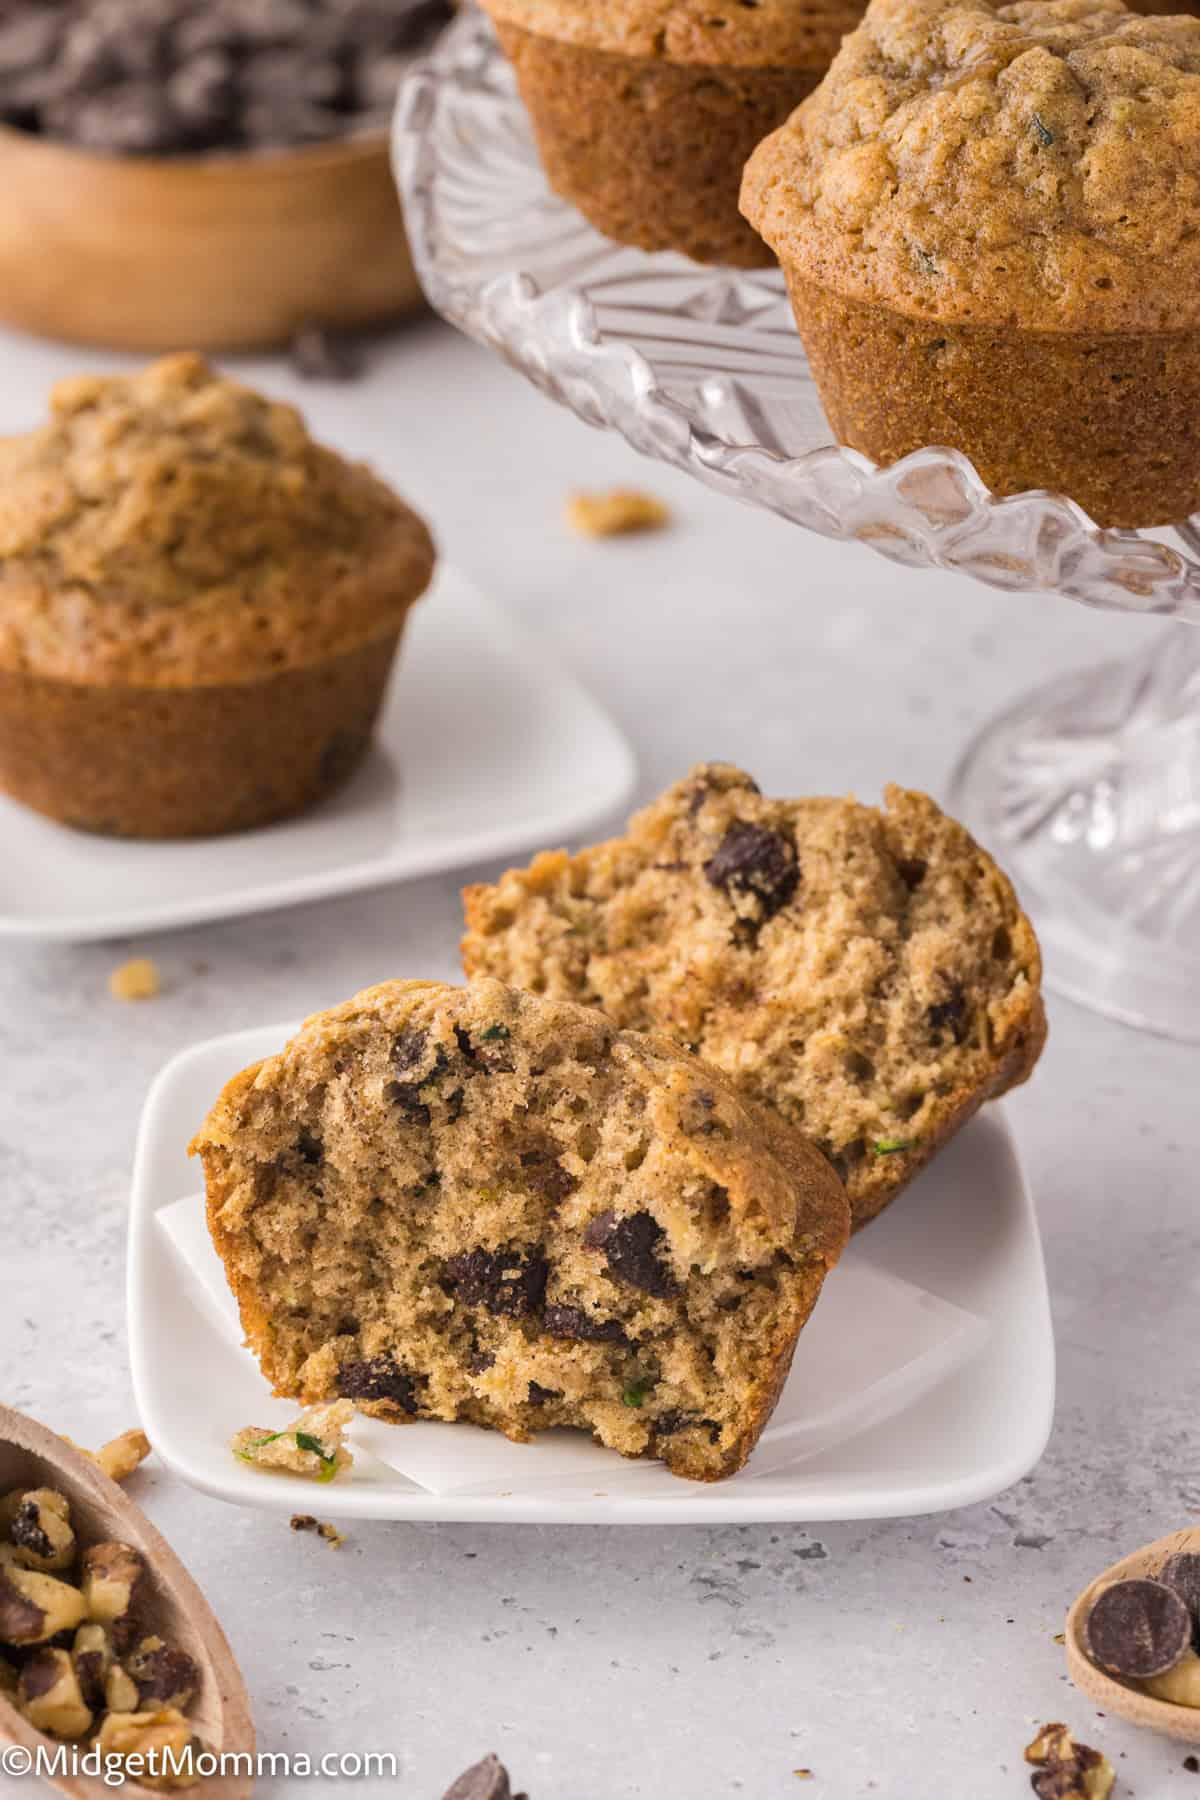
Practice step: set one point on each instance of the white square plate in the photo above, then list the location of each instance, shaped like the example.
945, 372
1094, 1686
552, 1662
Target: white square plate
925, 1380
485, 746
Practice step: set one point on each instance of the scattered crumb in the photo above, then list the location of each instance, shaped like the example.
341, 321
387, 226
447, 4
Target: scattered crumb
119, 1457
135, 980
322, 1527
622, 510
1060, 1637
1067, 1770
311, 1445
803, 1774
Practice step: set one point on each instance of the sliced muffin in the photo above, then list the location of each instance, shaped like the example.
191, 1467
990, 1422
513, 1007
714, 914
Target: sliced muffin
646, 112
867, 972
199, 606
471, 1203
987, 220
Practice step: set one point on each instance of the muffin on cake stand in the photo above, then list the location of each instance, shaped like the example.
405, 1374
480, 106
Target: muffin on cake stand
1088, 791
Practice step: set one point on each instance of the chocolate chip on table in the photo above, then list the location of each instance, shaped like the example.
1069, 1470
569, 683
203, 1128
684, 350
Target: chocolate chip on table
1181, 1573
508, 1283
378, 1378
583, 1327
630, 1250
486, 1780
318, 355
751, 859
1138, 1629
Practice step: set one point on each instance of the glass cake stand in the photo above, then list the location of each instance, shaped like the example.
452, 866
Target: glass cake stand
1089, 789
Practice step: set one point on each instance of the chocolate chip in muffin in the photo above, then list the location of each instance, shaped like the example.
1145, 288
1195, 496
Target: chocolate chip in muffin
1138, 1629
630, 1250
584, 1327
378, 1378
751, 859
540, 1396
509, 1283
949, 1016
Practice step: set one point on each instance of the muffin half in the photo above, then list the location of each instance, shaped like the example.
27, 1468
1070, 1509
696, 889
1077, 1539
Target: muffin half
867, 972
449, 1203
199, 606
645, 113
986, 217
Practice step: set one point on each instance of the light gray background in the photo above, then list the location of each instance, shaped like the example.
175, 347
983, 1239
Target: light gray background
604, 1664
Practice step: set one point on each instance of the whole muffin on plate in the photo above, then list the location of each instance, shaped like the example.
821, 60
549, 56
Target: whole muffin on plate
199, 606
987, 219
646, 111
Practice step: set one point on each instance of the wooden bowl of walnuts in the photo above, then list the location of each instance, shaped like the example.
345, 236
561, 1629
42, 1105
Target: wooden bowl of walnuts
106, 1643
209, 174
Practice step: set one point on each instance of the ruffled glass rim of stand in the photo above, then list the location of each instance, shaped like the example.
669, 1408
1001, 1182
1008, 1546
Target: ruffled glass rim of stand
702, 367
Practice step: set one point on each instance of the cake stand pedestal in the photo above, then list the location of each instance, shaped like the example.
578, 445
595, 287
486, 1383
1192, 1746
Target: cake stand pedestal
1089, 790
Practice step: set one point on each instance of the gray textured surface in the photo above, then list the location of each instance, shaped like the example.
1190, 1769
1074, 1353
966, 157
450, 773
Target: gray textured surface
905, 1660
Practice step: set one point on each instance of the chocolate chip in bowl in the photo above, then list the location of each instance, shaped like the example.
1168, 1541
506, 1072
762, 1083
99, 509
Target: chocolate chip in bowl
145, 1667
1131, 1637
182, 172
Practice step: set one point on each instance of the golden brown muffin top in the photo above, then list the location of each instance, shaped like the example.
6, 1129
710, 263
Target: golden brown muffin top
1033, 165
736, 33
173, 528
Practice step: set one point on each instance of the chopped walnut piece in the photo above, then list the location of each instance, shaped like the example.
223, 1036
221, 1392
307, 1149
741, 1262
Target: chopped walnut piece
613, 514
34, 1607
152, 1744
39, 1529
109, 1575
1068, 1771
120, 1691
119, 1457
322, 1527
49, 1695
137, 979
166, 1679
311, 1445
122, 1455
91, 1654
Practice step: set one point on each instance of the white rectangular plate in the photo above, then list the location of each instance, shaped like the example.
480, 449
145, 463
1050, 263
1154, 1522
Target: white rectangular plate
485, 746
924, 1381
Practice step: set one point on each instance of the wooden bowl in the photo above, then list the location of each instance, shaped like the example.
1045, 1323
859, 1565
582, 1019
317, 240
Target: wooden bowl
199, 253
174, 1608
1108, 1691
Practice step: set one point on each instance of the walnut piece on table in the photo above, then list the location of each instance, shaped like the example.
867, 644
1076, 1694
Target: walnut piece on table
616, 513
